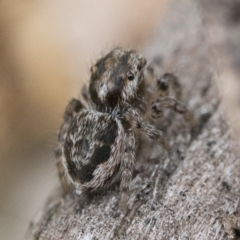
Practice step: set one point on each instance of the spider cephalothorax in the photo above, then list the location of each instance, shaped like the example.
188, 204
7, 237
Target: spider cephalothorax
96, 144
116, 77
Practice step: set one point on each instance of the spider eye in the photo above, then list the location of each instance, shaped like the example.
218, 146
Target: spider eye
130, 76
163, 84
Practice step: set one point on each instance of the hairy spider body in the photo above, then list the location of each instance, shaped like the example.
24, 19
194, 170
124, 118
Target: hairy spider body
97, 143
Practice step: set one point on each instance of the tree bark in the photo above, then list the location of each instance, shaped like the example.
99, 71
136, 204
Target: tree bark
194, 193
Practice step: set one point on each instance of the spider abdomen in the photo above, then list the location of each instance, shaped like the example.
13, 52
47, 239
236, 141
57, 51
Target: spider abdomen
92, 147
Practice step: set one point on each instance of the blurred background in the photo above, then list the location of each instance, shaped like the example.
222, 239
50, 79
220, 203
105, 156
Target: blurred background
46, 50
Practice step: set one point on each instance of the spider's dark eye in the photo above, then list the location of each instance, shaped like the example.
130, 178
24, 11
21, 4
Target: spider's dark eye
162, 84
130, 76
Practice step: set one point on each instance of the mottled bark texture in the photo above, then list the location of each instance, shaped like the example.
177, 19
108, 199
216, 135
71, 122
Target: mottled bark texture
194, 193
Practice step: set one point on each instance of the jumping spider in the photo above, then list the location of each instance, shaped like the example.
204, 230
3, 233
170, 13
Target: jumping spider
97, 143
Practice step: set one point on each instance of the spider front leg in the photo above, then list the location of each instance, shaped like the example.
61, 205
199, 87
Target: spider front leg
127, 165
135, 118
167, 102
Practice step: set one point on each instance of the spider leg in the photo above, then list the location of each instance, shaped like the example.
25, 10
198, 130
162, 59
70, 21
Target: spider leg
167, 102
134, 117
127, 165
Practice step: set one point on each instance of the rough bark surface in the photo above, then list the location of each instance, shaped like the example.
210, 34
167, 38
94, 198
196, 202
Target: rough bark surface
194, 194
